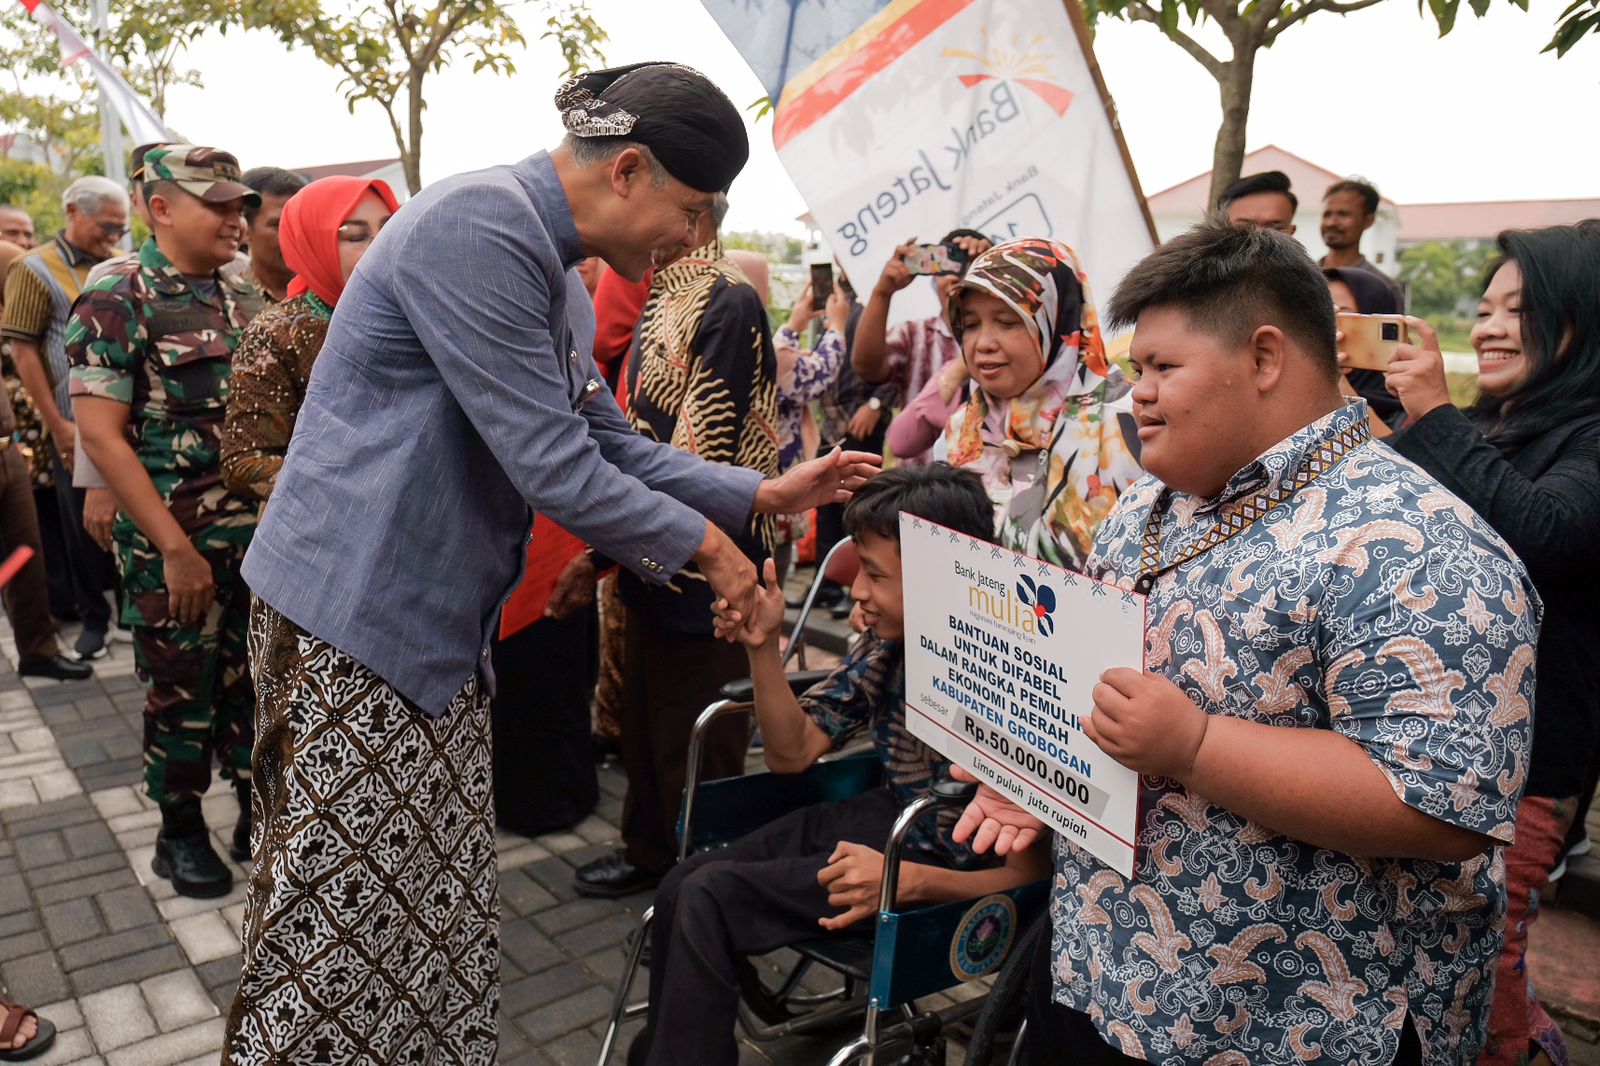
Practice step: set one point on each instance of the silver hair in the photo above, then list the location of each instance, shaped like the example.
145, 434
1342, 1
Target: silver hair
592, 151
90, 194
719, 209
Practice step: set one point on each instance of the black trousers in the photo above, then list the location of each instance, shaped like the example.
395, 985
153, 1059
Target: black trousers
27, 597
667, 680
756, 895
1058, 1034
544, 775
90, 568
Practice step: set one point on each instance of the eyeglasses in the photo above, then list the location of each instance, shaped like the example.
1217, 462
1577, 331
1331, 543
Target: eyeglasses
114, 230
359, 232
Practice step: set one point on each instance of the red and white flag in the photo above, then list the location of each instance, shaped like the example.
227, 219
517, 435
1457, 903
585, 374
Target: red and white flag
141, 122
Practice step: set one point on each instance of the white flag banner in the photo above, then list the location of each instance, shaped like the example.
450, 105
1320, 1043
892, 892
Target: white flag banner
141, 122
928, 115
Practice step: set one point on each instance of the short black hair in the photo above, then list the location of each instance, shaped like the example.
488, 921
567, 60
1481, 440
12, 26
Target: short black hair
1231, 280
1365, 190
136, 161
953, 234
1267, 181
270, 181
938, 492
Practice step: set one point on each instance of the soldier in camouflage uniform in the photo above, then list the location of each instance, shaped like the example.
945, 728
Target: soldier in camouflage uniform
151, 346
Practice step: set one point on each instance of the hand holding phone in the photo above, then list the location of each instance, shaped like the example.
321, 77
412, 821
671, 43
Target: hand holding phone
821, 285
935, 259
1370, 340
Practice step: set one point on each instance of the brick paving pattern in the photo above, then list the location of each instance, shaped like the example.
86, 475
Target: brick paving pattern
134, 975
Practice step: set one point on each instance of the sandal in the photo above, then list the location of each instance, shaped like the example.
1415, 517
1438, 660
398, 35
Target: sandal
15, 1015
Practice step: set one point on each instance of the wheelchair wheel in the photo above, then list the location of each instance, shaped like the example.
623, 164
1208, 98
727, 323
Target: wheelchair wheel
1003, 1011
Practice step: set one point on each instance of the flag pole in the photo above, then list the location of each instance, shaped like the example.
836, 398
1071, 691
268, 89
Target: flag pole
1080, 26
110, 123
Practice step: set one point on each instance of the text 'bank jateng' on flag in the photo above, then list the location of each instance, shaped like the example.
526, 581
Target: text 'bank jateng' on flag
914, 117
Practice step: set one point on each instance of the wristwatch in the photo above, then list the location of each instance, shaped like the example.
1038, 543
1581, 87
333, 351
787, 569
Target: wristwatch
876, 403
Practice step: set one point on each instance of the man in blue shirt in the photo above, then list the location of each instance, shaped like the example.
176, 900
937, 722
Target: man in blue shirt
452, 399
1332, 721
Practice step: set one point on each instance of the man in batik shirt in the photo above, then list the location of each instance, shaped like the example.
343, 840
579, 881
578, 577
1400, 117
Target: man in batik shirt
1333, 723
701, 377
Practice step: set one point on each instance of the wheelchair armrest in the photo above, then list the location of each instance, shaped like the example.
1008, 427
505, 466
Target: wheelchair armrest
951, 792
743, 690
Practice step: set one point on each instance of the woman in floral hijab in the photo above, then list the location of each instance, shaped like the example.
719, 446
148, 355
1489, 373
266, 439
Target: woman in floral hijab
1048, 423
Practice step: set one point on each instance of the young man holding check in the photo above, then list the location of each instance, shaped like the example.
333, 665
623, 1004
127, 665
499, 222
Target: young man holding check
1333, 722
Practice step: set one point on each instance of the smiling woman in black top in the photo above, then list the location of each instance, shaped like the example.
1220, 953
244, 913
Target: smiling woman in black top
1526, 457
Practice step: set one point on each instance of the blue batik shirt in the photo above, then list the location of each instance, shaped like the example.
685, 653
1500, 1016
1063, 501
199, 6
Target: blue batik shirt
1370, 602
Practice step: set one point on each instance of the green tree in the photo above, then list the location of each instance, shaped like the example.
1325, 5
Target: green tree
387, 50
777, 247
1442, 275
1251, 25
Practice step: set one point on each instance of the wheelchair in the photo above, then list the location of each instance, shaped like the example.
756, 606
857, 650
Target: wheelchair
908, 955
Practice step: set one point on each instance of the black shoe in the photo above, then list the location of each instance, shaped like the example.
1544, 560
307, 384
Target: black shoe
61, 668
89, 645
239, 848
612, 877
639, 1050
605, 748
184, 854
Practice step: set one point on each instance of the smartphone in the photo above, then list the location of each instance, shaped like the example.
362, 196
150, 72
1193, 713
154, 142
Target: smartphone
1370, 340
821, 285
935, 259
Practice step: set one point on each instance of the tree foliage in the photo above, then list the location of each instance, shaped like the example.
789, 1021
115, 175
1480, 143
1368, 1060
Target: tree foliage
1251, 25
777, 247
1443, 277
386, 50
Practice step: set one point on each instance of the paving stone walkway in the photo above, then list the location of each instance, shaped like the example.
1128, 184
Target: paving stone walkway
134, 975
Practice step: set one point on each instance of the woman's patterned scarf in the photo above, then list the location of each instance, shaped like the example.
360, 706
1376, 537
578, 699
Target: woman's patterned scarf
1062, 426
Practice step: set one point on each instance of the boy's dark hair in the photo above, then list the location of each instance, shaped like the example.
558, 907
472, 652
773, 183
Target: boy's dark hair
1267, 181
270, 181
1231, 280
938, 492
1368, 194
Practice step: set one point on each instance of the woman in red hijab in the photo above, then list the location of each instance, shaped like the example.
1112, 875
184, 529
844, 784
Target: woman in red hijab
325, 230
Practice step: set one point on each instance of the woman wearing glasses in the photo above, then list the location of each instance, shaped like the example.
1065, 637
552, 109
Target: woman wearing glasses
326, 228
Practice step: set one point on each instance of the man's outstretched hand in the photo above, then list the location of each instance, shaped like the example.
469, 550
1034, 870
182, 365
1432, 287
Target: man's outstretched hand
765, 620
991, 820
732, 578
826, 479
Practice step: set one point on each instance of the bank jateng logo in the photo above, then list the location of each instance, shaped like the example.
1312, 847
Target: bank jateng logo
935, 168
1042, 598
1019, 63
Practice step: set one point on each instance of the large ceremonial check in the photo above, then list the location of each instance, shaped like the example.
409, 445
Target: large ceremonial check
1002, 654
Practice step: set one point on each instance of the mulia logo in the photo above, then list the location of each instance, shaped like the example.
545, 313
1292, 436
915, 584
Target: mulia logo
1042, 598
1029, 611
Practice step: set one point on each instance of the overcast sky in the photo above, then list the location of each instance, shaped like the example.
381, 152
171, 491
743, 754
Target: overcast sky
1478, 115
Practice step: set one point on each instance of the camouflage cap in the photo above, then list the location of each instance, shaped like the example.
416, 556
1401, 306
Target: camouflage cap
209, 173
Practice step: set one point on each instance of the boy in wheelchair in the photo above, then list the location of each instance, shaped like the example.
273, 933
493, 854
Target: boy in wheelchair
819, 870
